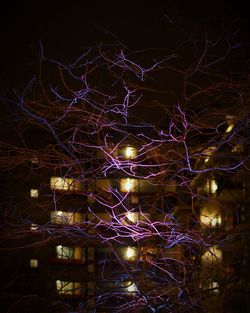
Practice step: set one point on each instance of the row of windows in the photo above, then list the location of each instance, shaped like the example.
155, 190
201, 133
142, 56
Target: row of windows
72, 288
127, 152
126, 185
131, 254
71, 218
71, 253
209, 187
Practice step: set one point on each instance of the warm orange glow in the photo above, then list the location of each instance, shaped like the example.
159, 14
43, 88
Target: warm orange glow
34, 193
128, 184
130, 253
61, 217
229, 128
212, 255
129, 152
134, 217
72, 253
68, 288
67, 184
208, 152
33, 263
210, 217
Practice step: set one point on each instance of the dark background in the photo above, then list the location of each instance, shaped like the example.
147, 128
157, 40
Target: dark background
66, 27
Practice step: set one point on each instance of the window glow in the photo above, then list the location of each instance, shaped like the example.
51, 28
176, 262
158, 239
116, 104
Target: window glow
65, 218
128, 185
131, 287
134, 217
130, 254
229, 128
68, 288
210, 217
34, 227
67, 184
33, 263
208, 152
69, 253
214, 186
129, 152
34, 193
212, 255
210, 187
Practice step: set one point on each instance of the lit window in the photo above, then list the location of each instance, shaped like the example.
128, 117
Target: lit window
67, 184
212, 255
34, 193
135, 217
229, 128
130, 253
129, 152
69, 288
210, 217
211, 285
128, 185
210, 187
33, 263
208, 152
213, 186
34, 227
215, 287
130, 287
65, 218
69, 253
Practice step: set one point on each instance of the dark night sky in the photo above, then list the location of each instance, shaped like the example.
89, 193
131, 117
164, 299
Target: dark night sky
66, 27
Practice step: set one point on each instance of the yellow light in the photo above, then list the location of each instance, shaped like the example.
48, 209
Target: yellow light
131, 287
128, 184
130, 254
129, 152
33, 263
229, 128
210, 218
34, 227
214, 186
132, 217
208, 152
213, 255
34, 193
68, 184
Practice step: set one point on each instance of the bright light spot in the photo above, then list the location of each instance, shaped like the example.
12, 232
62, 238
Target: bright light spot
132, 217
129, 152
128, 184
229, 128
33, 263
34, 227
215, 286
34, 193
68, 184
210, 218
131, 287
208, 152
130, 254
214, 186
